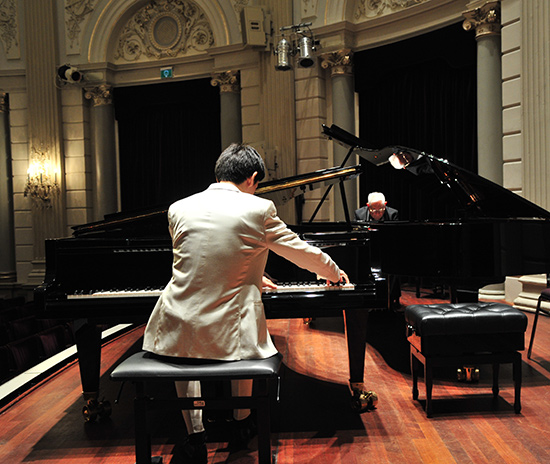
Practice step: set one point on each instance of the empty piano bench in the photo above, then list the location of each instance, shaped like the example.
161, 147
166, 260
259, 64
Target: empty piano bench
465, 334
144, 367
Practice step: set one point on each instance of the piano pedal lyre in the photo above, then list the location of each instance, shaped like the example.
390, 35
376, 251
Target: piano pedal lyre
468, 374
362, 399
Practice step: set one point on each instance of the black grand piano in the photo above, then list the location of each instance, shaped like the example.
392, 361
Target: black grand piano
112, 271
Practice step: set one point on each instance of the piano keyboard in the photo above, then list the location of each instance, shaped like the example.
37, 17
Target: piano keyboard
138, 293
117, 294
308, 287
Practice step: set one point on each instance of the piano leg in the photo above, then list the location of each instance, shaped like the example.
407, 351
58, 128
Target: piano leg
355, 321
356, 336
88, 345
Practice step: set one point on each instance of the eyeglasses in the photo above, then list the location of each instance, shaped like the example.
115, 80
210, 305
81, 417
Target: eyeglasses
378, 210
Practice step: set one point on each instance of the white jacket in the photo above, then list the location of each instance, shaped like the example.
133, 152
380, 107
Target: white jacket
212, 307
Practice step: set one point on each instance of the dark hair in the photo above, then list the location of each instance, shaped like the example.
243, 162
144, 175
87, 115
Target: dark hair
238, 162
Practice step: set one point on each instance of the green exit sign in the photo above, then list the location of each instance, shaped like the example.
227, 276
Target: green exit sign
166, 73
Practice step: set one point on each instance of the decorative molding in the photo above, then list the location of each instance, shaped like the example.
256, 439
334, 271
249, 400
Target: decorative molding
76, 12
309, 8
4, 102
339, 62
9, 30
374, 8
485, 20
165, 28
100, 95
228, 81
238, 6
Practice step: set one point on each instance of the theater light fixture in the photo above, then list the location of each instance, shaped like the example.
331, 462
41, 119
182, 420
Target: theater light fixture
300, 42
283, 52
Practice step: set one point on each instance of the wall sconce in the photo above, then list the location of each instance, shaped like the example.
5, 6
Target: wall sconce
301, 42
42, 183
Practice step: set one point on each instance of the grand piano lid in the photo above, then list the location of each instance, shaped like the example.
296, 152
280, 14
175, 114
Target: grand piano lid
283, 190
477, 196
137, 223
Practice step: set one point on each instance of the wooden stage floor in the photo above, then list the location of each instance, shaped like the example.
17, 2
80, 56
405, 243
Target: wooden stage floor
313, 422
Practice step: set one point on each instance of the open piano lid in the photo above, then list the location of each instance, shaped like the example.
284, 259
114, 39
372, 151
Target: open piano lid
282, 190
478, 197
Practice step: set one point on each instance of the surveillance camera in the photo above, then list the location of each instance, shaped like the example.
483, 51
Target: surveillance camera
69, 73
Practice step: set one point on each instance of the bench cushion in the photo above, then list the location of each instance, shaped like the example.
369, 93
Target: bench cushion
459, 328
465, 318
145, 366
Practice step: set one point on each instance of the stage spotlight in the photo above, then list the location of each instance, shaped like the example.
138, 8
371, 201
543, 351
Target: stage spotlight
305, 55
68, 73
283, 53
301, 42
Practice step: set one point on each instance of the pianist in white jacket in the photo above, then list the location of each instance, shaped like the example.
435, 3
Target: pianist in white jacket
212, 306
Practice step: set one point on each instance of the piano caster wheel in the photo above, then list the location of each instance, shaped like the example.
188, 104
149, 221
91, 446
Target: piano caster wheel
90, 411
363, 400
95, 408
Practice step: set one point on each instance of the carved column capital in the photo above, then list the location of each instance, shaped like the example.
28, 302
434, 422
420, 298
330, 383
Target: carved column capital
100, 95
3, 102
228, 81
485, 19
339, 62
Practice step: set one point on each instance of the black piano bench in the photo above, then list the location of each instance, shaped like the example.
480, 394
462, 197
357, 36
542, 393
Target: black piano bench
465, 334
144, 367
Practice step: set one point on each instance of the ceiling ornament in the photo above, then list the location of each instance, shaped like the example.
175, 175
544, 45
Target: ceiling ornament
373, 8
75, 13
9, 29
165, 28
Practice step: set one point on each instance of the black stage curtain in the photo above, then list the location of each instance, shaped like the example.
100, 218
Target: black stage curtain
169, 139
419, 93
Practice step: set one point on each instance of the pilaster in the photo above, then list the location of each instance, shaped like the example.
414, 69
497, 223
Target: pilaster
44, 125
104, 157
483, 18
535, 106
340, 65
7, 256
230, 106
